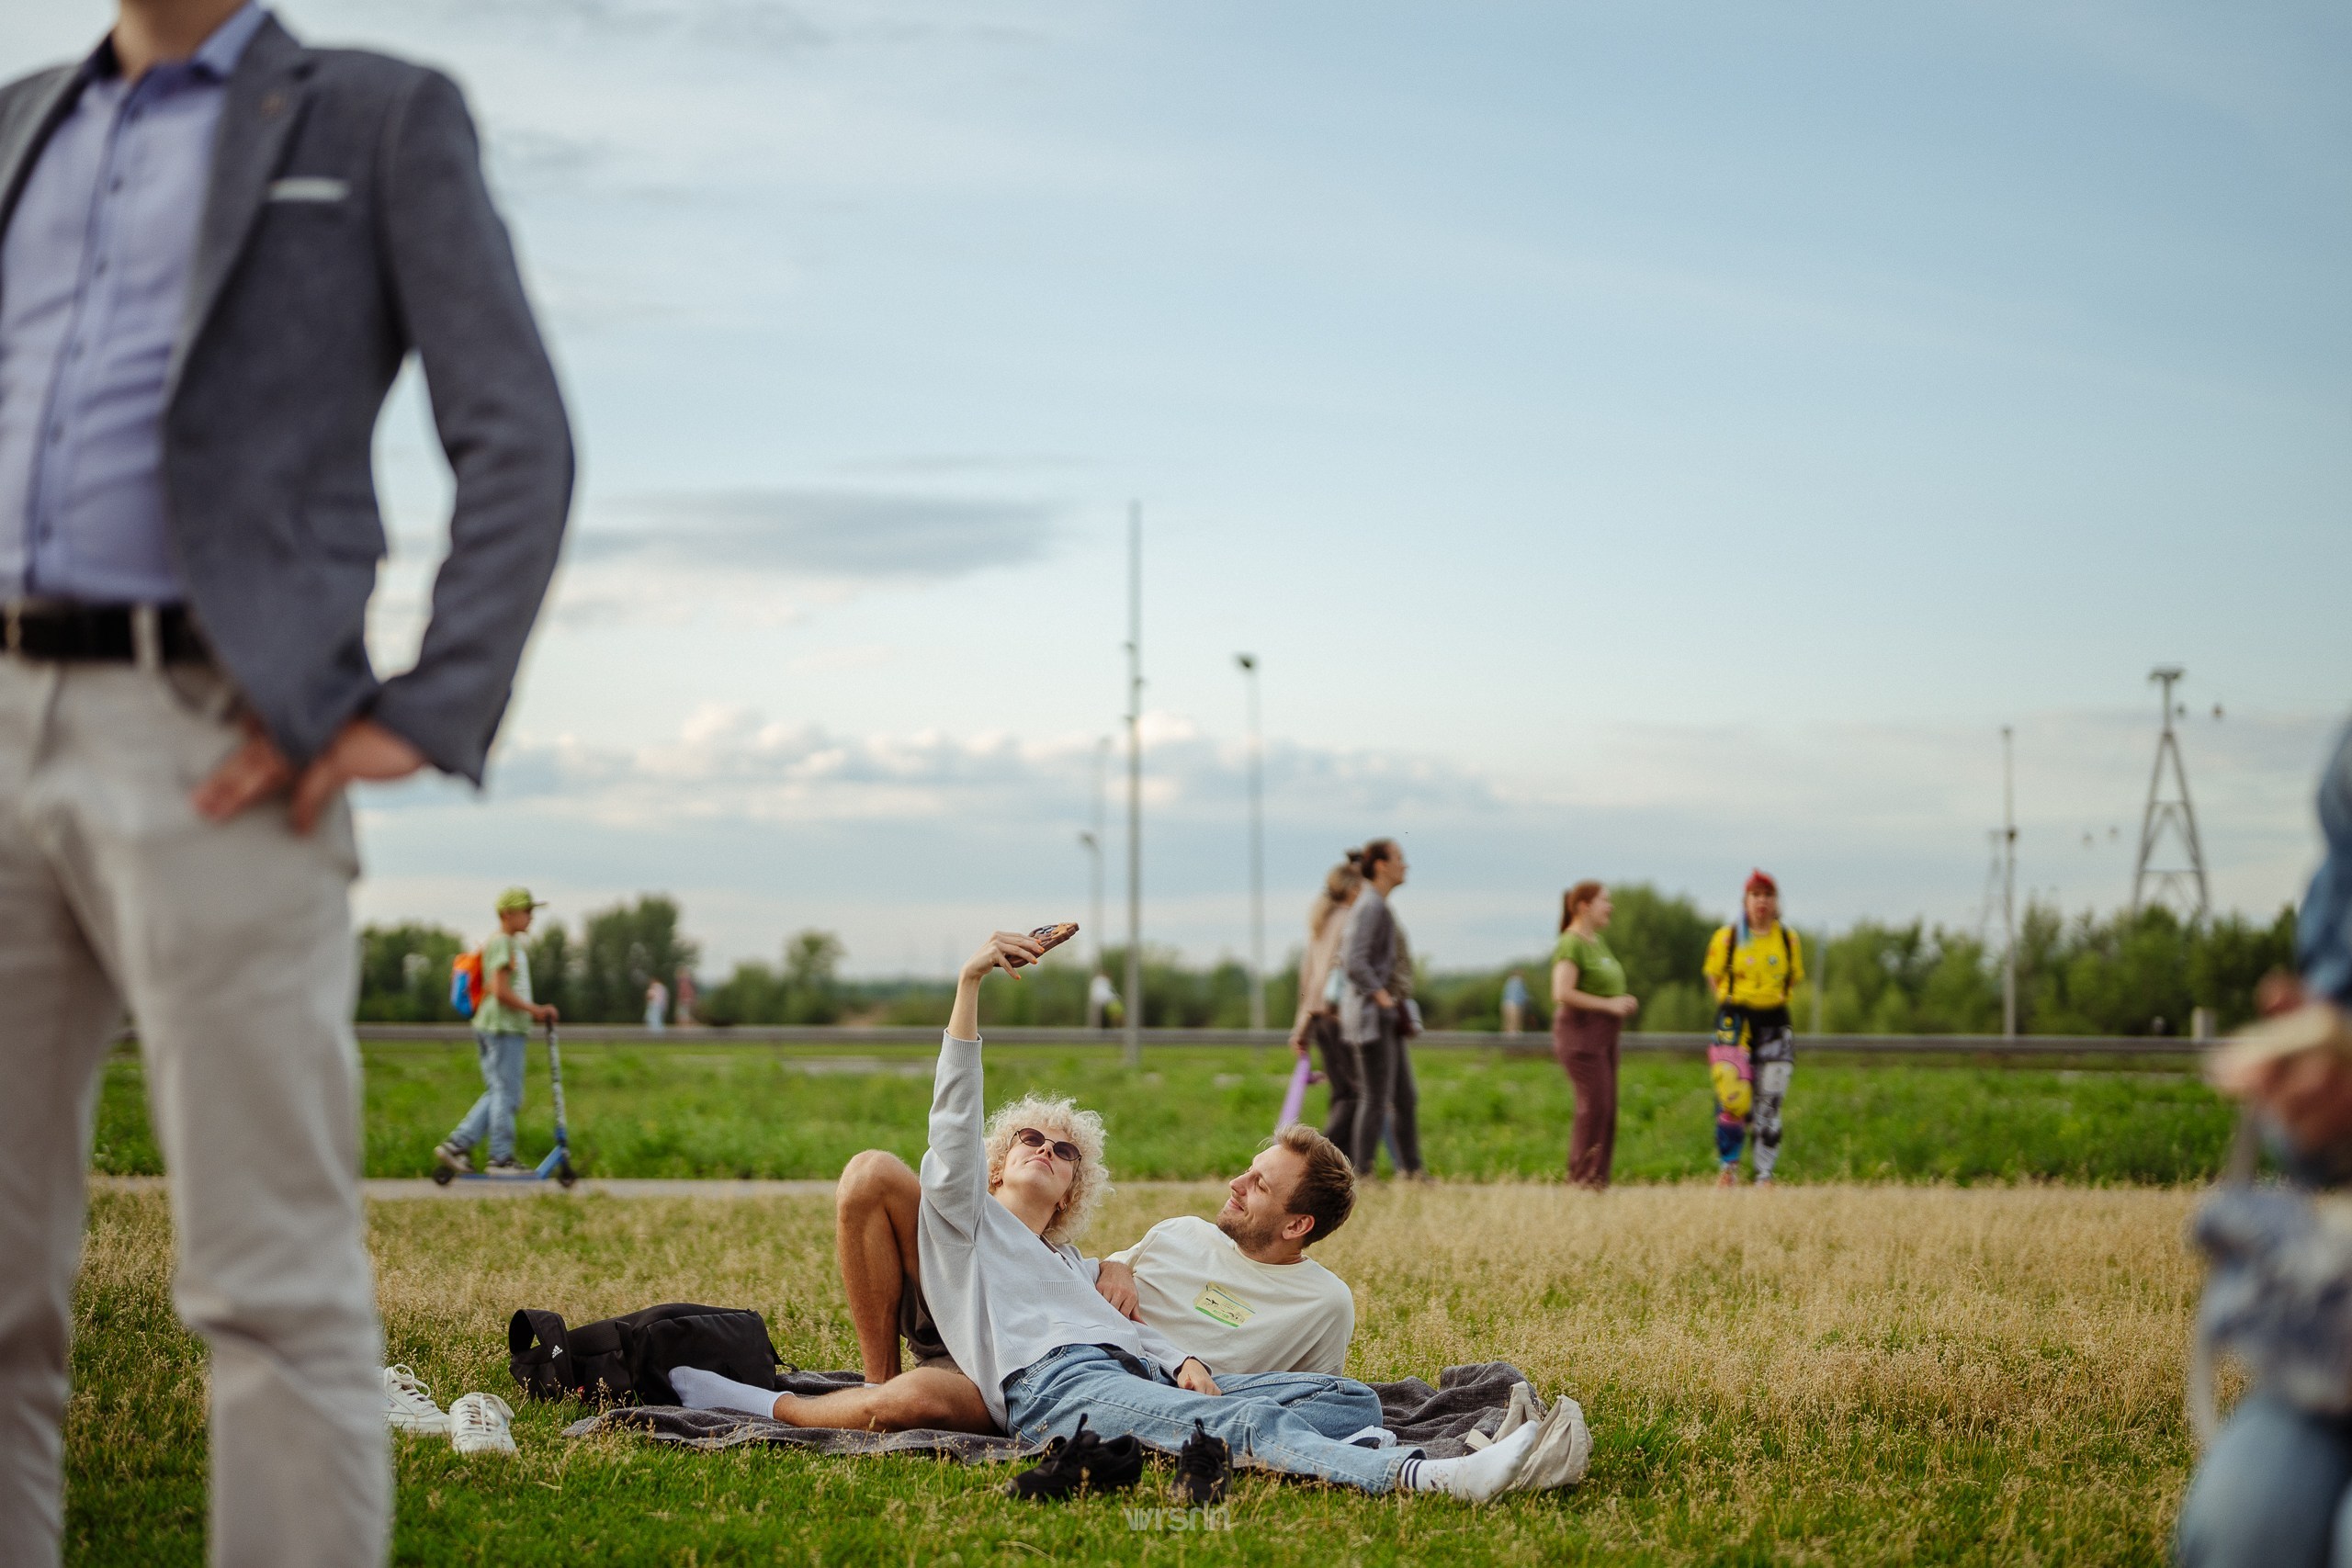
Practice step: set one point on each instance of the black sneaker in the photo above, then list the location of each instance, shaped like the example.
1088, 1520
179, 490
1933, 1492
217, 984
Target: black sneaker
1203, 1467
1079, 1461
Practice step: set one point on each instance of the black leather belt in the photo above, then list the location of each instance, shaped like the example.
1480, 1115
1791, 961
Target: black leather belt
64, 631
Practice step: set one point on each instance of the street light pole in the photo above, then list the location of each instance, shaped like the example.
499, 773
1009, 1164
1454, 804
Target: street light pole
1093, 847
1135, 784
1249, 662
2008, 887
1092, 840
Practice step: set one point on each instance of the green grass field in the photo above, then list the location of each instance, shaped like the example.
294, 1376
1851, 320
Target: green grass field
1840, 1375
751, 1110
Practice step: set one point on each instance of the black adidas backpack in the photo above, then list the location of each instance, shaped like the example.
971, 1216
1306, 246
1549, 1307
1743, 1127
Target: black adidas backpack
628, 1360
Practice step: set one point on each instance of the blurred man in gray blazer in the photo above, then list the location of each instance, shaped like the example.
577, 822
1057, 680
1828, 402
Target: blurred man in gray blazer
217, 247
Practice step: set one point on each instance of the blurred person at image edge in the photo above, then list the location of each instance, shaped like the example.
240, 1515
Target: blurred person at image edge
217, 247
2275, 1488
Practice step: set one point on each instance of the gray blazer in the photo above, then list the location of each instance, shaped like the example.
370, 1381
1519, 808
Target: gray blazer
303, 301
1368, 958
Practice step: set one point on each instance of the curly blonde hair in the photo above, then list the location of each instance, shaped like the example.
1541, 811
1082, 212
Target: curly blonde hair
1089, 1185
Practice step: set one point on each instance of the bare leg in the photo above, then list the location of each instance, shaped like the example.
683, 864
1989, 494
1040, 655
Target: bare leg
876, 1203
928, 1397
875, 1206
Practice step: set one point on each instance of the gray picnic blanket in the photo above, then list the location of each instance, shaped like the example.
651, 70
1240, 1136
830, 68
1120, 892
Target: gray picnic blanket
1435, 1420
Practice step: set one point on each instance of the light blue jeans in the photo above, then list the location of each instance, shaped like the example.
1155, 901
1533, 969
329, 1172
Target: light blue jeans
1294, 1422
2271, 1492
493, 1114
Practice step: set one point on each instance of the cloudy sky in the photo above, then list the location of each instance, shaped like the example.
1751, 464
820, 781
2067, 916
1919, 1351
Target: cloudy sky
1639, 440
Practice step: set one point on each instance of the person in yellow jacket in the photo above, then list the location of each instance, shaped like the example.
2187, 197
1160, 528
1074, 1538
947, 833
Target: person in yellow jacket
1754, 965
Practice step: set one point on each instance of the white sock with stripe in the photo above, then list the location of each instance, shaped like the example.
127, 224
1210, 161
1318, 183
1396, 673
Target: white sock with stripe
1474, 1478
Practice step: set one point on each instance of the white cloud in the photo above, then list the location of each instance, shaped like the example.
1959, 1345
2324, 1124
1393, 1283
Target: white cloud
907, 843
827, 534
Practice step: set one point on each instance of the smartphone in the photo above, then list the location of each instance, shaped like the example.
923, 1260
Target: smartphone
1052, 937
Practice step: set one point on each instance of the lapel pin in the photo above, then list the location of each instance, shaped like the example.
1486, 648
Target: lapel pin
273, 102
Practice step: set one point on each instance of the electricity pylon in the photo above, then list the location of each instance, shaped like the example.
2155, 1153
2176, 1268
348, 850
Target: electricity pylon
2181, 886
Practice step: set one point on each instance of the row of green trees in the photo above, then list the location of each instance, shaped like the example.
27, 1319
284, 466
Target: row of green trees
2118, 974
597, 977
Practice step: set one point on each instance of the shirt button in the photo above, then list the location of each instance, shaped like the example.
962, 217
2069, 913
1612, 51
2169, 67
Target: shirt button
99, 270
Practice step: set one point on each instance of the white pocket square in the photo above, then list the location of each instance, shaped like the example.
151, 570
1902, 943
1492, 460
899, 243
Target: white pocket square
307, 189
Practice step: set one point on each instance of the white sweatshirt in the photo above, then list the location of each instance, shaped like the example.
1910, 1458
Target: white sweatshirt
1195, 1285
1001, 1296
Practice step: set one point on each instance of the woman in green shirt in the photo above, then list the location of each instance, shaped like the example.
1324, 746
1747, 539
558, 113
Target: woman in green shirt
1589, 1006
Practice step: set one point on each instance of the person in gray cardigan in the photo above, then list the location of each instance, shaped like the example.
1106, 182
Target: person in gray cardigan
217, 249
1372, 1014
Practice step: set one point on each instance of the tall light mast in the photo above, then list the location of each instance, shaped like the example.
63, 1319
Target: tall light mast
2008, 886
1135, 784
1249, 662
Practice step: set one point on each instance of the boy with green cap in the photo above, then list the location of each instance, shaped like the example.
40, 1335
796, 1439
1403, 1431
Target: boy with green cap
502, 1023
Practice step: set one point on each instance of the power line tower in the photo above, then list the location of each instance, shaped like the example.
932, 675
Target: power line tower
2181, 886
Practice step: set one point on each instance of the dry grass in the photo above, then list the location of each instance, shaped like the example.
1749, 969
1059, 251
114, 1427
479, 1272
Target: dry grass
1812, 1375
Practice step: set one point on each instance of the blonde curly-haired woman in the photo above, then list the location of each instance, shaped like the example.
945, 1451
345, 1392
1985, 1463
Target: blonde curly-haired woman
1051, 1357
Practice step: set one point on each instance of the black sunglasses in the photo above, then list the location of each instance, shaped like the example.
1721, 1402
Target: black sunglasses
1030, 1138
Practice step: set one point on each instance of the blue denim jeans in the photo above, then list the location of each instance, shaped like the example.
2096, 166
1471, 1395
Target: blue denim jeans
1292, 1422
493, 1114
2271, 1492
2323, 932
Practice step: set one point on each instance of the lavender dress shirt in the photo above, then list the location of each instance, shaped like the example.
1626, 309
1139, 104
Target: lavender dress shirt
94, 273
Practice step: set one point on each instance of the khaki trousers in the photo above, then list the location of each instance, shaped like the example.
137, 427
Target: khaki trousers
231, 945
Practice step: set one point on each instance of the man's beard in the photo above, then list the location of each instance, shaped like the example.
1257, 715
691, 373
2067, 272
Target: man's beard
1245, 1235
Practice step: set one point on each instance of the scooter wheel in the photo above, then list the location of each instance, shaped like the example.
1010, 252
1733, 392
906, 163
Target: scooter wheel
442, 1175
565, 1176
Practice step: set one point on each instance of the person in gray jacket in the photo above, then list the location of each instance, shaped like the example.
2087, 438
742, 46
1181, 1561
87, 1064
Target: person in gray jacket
217, 248
1372, 1014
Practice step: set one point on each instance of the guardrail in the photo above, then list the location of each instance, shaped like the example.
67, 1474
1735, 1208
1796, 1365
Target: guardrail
1999, 1047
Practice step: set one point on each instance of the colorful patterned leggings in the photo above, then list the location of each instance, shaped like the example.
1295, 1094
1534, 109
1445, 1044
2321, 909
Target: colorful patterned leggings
1750, 1062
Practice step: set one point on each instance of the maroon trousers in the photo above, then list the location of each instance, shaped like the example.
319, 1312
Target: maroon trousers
1586, 1044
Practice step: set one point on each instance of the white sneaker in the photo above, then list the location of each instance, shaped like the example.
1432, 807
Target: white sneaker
1524, 1408
407, 1404
479, 1424
1562, 1450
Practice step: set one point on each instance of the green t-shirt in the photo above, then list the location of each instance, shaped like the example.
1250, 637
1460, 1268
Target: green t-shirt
491, 1015
1597, 972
